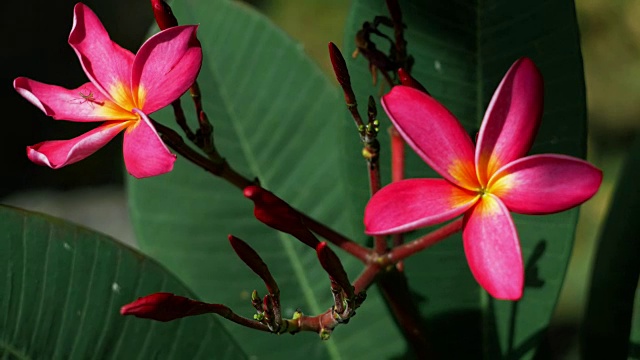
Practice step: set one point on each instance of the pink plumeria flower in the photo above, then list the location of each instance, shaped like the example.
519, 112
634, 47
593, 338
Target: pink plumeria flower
123, 89
484, 184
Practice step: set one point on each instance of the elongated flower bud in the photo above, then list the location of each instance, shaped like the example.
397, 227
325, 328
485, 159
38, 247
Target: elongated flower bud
163, 14
164, 306
339, 66
253, 260
276, 213
333, 266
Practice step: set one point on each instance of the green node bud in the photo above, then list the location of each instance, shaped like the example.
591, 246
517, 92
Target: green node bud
325, 334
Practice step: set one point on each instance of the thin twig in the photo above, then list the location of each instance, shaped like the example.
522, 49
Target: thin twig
223, 170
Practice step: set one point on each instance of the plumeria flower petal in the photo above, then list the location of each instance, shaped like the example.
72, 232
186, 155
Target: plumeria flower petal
433, 133
165, 67
545, 184
512, 119
144, 153
84, 104
123, 89
493, 250
106, 64
395, 208
58, 153
484, 183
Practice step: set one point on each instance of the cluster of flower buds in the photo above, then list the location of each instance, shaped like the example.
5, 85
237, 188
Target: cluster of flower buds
279, 215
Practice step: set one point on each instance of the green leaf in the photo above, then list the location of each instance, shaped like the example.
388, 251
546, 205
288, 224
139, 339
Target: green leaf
62, 290
634, 338
462, 49
276, 116
614, 280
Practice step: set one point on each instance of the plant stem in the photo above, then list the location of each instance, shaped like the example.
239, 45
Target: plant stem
223, 170
366, 277
228, 314
395, 289
397, 174
181, 120
360, 252
401, 252
397, 155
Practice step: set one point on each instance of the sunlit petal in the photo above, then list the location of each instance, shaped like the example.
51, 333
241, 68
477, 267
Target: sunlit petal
58, 153
165, 67
144, 152
106, 64
85, 103
543, 184
434, 133
410, 204
493, 250
511, 120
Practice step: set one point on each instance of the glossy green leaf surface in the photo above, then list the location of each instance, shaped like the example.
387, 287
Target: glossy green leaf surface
615, 273
462, 49
62, 289
276, 117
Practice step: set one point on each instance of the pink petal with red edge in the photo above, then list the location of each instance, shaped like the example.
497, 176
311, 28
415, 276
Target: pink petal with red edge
410, 204
85, 103
144, 152
512, 119
544, 184
493, 250
165, 67
434, 133
58, 153
106, 64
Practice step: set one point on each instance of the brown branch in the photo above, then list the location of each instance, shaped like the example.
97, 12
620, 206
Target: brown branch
221, 169
401, 252
360, 252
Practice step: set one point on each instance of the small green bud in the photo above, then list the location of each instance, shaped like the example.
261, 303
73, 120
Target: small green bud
325, 334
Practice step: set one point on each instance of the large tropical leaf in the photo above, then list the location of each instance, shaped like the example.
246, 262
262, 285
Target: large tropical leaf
63, 286
462, 49
276, 117
634, 337
614, 278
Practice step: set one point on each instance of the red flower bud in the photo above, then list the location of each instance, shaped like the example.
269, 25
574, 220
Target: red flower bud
163, 14
408, 80
276, 213
333, 266
339, 65
253, 260
166, 307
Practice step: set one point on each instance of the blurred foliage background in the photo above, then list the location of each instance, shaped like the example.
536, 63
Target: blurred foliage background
34, 35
